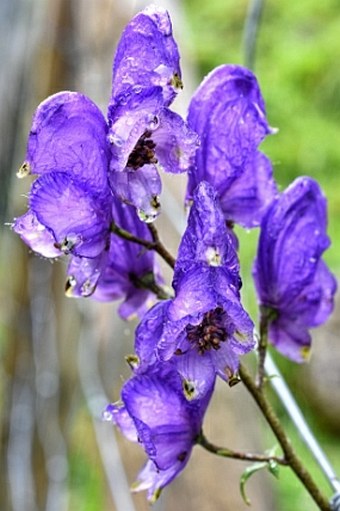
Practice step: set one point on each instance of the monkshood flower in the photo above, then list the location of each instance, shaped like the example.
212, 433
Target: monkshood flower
154, 412
228, 113
70, 201
144, 136
204, 329
294, 285
71, 206
147, 55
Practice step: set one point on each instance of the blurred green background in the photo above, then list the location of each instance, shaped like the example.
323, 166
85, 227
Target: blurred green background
54, 449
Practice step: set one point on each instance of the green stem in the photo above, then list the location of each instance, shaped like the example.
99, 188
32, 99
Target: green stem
290, 456
228, 453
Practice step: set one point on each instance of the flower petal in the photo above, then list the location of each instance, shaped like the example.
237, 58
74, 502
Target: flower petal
78, 220
207, 240
248, 197
176, 143
68, 133
289, 274
197, 373
292, 240
148, 334
116, 413
228, 113
141, 188
147, 54
83, 274
134, 113
36, 235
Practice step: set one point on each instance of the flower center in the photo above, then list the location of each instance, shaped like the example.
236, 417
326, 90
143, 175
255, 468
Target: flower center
143, 152
209, 333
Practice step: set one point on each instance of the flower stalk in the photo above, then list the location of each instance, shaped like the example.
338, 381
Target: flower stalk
155, 245
289, 454
237, 455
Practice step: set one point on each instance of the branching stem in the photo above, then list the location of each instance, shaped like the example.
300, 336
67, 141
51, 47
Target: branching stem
289, 454
155, 245
228, 453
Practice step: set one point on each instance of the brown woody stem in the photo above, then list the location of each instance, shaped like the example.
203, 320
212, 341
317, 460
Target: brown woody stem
289, 454
155, 245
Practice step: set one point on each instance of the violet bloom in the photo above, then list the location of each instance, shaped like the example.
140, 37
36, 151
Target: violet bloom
145, 136
71, 206
70, 201
228, 113
204, 329
147, 55
155, 413
292, 281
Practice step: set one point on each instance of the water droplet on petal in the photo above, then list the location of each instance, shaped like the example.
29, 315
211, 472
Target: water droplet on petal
107, 415
153, 122
87, 288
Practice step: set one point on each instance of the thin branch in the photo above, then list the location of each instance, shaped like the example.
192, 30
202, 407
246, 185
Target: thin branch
162, 251
148, 282
155, 245
293, 460
228, 453
266, 316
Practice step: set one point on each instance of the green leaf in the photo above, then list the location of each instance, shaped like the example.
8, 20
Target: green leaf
249, 471
274, 468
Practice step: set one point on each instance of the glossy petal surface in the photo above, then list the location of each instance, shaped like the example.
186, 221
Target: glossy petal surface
204, 329
165, 422
207, 240
228, 113
68, 133
78, 220
289, 274
147, 54
36, 236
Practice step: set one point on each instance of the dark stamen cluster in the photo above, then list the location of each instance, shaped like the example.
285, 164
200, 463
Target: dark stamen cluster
143, 152
209, 333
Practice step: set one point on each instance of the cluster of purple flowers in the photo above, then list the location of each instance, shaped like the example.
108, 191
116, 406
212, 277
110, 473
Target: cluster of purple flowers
93, 173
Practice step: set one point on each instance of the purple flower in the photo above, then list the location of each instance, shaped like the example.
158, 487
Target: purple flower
292, 281
71, 206
70, 202
228, 113
145, 135
204, 329
147, 55
155, 413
